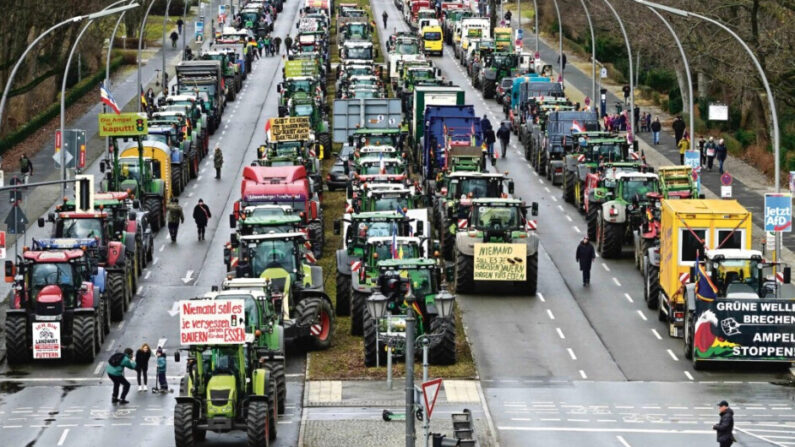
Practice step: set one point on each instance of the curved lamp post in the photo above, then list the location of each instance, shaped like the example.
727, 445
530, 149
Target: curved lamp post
140, 43
593, 51
560, 40
631, 114
165, 23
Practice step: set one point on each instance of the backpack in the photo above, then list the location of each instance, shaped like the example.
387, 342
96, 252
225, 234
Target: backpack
116, 359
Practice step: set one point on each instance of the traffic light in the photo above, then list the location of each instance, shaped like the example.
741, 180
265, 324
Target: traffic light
84, 193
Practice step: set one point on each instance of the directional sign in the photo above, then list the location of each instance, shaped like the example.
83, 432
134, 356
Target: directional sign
430, 390
778, 212
726, 179
16, 221
726, 191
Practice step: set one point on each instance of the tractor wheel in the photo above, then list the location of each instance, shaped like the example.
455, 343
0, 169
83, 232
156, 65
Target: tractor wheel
651, 288
489, 88
442, 348
448, 241
99, 331
276, 373
325, 140
542, 162
83, 338
316, 238
371, 348
176, 180
133, 260
140, 257
358, 303
464, 271
257, 424
231, 93
273, 411
688, 336
118, 301
343, 295
531, 281
316, 311
150, 253
612, 240
184, 425
591, 219
153, 207
568, 186
105, 313
17, 339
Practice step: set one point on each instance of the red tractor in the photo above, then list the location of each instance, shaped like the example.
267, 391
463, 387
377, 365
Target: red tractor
58, 306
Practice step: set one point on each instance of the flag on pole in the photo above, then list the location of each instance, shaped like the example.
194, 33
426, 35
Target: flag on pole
577, 127
108, 100
143, 98
381, 166
705, 289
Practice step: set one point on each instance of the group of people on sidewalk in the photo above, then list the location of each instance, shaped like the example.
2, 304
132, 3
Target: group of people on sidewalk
709, 149
120, 360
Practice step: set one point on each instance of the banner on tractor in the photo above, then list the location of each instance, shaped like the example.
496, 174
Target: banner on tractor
289, 128
500, 262
300, 67
46, 340
122, 125
212, 322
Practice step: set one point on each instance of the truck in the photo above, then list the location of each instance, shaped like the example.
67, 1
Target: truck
471, 28
425, 96
559, 138
447, 127
205, 77
524, 93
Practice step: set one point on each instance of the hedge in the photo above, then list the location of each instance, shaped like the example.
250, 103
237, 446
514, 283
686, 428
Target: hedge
72, 95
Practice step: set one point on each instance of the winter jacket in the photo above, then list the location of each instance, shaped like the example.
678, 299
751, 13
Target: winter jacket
488, 135
119, 370
679, 128
142, 359
710, 145
218, 159
504, 134
161, 364
201, 214
656, 126
684, 145
721, 152
585, 256
725, 426
175, 214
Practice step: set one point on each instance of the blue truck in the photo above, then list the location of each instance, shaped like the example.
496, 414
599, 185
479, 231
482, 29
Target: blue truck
449, 129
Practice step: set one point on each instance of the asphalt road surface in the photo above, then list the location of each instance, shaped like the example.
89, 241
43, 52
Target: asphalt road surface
60, 404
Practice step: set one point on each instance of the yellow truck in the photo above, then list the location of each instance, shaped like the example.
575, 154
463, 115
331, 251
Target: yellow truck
687, 229
432, 42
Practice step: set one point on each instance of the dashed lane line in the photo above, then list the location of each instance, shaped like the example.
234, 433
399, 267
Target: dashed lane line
656, 334
560, 207
689, 376
577, 230
99, 367
583, 375
629, 298
642, 315
554, 199
110, 345
673, 356
121, 325
148, 274
541, 297
569, 218
560, 333
162, 247
62, 439
623, 441
615, 280
571, 353
551, 315
604, 266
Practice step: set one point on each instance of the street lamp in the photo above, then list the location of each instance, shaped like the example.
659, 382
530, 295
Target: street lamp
560, 40
444, 304
535, 16
631, 114
165, 23
376, 305
107, 60
687, 73
768, 91
140, 43
185, 28
593, 52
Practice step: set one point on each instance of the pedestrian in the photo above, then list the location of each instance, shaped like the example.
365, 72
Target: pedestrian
488, 136
26, 167
288, 43
269, 44
504, 134
218, 161
636, 119
174, 36
679, 128
115, 371
563, 64
175, 217
627, 90
253, 48
701, 143
710, 148
243, 268
722, 153
585, 256
507, 18
684, 145
648, 122
385, 17
656, 127
179, 25
201, 215
277, 43
260, 45
725, 425
162, 383
142, 356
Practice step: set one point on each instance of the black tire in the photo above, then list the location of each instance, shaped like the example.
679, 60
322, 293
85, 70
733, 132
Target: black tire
591, 219
568, 186
325, 140
176, 180
371, 350
116, 293
688, 336
17, 350
276, 369
358, 303
343, 295
489, 88
612, 240
531, 280
442, 348
83, 337
257, 424
153, 206
316, 238
273, 408
312, 310
651, 285
464, 271
542, 162
150, 253
184, 428
662, 316
448, 241
231, 94
99, 332
106, 313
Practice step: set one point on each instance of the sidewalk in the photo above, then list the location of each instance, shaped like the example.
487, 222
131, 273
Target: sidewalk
350, 413
749, 185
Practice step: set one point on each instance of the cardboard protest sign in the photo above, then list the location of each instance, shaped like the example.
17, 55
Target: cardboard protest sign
500, 262
212, 322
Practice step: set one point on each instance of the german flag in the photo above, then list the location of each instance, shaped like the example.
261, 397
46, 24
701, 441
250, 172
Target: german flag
705, 289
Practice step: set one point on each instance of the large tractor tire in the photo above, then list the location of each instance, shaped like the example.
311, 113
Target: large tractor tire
154, 208
542, 162
358, 304
316, 311
371, 349
17, 350
531, 272
651, 286
591, 219
117, 294
273, 406
83, 337
568, 186
184, 425
231, 94
489, 88
325, 140
343, 295
316, 238
464, 273
442, 348
99, 332
276, 374
689, 336
105, 313
612, 240
257, 424
448, 241
176, 180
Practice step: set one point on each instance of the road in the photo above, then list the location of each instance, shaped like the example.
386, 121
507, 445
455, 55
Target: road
59, 404
580, 366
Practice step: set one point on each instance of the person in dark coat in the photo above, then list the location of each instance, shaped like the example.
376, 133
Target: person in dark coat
656, 127
504, 134
142, 356
243, 268
489, 138
585, 256
679, 128
725, 426
201, 214
721, 153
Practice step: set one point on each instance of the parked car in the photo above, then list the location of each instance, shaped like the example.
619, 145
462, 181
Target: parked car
337, 178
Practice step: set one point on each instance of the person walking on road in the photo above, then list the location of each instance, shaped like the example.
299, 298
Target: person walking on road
115, 371
701, 143
174, 36
175, 217
277, 43
201, 215
656, 128
722, 153
725, 426
288, 43
179, 25
489, 138
385, 17
218, 161
683, 145
504, 134
585, 256
709, 150
26, 167
679, 129
142, 356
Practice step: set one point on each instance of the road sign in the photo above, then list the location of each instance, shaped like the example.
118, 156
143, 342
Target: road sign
726, 179
726, 191
74, 142
430, 390
57, 158
778, 212
603, 73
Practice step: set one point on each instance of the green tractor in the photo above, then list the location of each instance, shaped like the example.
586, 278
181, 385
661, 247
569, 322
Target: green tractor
252, 224
433, 309
497, 222
225, 388
286, 261
387, 197
300, 104
496, 66
232, 77
187, 137
197, 117
594, 148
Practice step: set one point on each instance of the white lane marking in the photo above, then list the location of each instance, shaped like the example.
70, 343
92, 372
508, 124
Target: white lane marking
569, 218
604, 430
629, 298
560, 207
121, 325
110, 345
62, 439
547, 189
99, 367
195, 185
162, 247
604, 266
577, 230
622, 441
560, 333
148, 274
203, 169
554, 199
673, 356
540, 180
140, 289
190, 194
656, 334
198, 178
155, 261
551, 315
541, 297
132, 304
583, 375
615, 280
642, 316
688, 375
571, 353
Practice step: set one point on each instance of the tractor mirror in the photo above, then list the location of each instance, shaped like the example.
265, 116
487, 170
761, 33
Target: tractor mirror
102, 166
337, 227
510, 187
136, 204
233, 239
787, 275
133, 216
10, 273
176, 356
51, 217
40, 221
534, 209
420, 227
232, 220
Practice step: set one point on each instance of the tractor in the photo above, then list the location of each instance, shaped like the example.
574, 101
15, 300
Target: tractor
496, 66
593, 148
